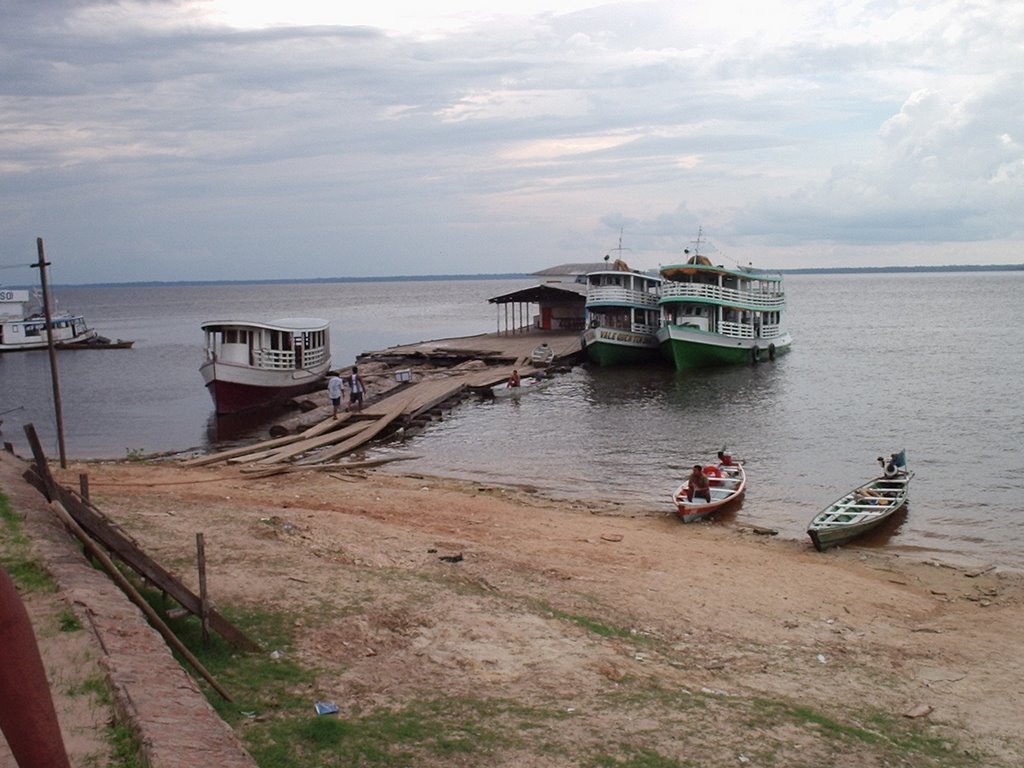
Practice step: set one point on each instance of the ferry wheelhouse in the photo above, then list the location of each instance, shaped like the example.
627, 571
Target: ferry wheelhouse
713, 315
622, 316
251, 364
23, 323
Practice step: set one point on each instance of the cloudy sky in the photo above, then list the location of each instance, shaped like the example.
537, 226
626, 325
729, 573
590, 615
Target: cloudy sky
239, 139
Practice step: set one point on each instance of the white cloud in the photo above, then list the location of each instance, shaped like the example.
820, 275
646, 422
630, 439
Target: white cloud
788, 130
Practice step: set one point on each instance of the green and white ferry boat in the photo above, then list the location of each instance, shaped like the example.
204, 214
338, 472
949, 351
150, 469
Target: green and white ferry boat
622, 316
713, 315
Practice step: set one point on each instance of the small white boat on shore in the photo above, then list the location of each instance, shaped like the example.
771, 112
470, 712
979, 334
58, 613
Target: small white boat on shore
250, 363
526, 384
23, 324
727, 484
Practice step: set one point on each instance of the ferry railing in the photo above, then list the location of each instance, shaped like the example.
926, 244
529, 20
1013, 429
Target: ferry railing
736, 330
614, 294
743, 331
730, 296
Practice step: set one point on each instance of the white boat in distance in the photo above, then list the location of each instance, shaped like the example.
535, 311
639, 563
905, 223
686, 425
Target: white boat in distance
253, 363
23, 323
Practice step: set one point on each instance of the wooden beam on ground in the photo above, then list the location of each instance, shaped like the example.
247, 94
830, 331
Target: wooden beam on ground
317, 429
133, 594
102, 529
363, 437
297, 449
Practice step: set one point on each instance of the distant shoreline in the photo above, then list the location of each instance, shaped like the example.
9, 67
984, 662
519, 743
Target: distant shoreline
525, 276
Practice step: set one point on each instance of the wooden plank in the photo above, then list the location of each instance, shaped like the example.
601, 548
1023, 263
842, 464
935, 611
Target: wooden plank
133, 594
363, 437
104, 530
317, 429
276, 457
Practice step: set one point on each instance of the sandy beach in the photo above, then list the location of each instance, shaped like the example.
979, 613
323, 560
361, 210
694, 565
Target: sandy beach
702, 644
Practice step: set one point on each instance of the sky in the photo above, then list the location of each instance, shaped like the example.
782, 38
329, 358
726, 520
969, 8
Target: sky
244, 140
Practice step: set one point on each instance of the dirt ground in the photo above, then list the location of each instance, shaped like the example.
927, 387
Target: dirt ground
700, 643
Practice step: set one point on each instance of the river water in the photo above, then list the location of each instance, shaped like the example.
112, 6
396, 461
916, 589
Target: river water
929, 363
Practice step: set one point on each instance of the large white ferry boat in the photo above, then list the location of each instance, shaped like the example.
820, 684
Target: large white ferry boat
621, 316
250, 364
714, 315
23, 323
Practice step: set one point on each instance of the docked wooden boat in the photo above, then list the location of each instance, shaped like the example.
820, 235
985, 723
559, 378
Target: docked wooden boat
728, 483
23, 323
622, 316
714, 315
865, 507
542, 355
96, 342
249, 364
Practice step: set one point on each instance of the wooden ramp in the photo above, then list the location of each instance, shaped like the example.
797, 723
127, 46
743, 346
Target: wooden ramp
332, 438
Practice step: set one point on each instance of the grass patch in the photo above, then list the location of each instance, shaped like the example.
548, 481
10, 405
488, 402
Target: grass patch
636, 758
16, 554
896, 740
68, 622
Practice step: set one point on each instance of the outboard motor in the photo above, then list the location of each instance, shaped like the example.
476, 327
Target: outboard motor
896, 463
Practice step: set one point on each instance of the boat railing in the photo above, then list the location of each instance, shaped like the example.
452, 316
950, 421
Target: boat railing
273, 359
615, 294
647, 328
736, 330
284, 359
729, 296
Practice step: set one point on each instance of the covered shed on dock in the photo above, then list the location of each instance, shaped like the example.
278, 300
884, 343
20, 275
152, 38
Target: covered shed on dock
554, 304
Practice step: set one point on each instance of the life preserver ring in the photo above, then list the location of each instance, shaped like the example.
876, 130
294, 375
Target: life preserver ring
771, 351
595, 323
755, 354
712, 472
891, 470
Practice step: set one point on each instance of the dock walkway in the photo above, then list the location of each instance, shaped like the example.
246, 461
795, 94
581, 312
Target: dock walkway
404, 404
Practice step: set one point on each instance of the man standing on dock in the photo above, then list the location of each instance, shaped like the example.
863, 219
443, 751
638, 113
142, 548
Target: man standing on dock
334, 390
356, 390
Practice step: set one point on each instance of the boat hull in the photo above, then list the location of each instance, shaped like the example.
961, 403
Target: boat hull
235, 388
726, 491
610, 346
848, 517
688, 349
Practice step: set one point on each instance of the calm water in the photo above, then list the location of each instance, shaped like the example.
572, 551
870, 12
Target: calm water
929, 363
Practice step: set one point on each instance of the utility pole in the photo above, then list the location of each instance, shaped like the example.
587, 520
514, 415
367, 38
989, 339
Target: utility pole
54, 379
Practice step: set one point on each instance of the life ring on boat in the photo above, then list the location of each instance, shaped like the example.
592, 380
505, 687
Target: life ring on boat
771, 351
595, 323
712, 472
891, 470
755, 354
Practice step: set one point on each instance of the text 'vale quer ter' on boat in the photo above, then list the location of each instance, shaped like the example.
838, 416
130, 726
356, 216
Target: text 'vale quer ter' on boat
865, 507
622, 315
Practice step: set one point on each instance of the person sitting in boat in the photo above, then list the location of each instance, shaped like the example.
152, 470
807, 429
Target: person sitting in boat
698, 484
727, 465
868, 496
513, 380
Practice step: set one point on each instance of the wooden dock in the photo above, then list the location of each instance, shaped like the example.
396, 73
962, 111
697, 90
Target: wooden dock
405, 404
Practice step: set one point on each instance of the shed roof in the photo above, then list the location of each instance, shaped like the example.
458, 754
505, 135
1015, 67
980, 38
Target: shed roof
545, 292
573, 270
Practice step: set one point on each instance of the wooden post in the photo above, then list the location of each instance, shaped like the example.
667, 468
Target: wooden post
133, 594
54, 378
204, 600
83, 485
